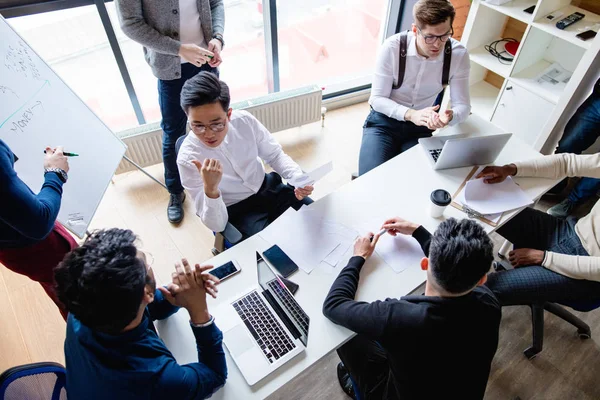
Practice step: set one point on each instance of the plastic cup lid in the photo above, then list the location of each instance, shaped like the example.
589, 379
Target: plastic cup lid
440, 197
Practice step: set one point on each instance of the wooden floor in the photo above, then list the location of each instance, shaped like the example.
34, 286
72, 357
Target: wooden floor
32, 329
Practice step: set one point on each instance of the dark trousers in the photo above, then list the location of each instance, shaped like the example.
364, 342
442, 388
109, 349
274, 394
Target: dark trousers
526, 285
255, 213
581, 132
174, 121
38, 261
384, 138
368, 366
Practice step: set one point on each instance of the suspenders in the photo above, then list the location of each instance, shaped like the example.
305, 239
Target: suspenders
402, 62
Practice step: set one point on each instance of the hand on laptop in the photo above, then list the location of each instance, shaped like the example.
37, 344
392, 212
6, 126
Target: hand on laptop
212, 172
365, 245
398, 225
301, 193
188, 290
495, 174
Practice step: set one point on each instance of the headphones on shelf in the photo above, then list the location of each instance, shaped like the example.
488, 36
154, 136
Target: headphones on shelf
506, 54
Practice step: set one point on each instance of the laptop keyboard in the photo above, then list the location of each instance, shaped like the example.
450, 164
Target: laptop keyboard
297, 313
435, 154
267, 331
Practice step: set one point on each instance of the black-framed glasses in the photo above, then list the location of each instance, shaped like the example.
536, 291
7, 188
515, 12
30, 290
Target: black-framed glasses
431, 39
201, 129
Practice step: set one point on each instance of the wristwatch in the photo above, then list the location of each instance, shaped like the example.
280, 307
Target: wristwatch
62, 174
219, 37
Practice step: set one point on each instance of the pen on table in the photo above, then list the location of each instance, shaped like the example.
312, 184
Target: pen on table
67, 154
381, 232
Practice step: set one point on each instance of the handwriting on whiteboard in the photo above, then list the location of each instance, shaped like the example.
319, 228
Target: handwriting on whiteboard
9, 91
18, 60
26, 117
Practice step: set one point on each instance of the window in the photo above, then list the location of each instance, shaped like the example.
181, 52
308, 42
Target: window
332, 43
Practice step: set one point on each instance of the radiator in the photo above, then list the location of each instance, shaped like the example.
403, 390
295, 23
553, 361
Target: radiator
276, 111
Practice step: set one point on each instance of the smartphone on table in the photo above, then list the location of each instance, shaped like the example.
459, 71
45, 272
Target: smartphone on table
226, 270
280, 261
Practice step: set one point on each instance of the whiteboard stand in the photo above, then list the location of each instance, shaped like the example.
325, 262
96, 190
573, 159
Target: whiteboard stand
144, 171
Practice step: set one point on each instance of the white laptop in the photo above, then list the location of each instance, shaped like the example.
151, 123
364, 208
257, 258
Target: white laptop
454, 151
269, 326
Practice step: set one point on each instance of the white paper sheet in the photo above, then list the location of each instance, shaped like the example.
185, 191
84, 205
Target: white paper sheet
399, 252
495, 198
460, 199
308, 238
311, 177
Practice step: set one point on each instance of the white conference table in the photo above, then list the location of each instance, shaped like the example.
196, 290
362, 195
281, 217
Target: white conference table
400, 187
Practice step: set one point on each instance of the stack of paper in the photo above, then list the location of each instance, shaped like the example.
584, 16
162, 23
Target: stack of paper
495, 198
309, 239
492, 200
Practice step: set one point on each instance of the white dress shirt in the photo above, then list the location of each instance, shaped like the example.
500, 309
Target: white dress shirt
190, 28
246, 143
422, 80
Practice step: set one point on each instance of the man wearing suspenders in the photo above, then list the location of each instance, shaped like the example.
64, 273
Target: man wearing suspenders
412, 71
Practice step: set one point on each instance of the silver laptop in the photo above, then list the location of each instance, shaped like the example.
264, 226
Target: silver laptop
454, 151
270, 327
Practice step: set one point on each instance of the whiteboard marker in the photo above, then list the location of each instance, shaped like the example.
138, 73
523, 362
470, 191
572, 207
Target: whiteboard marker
66, 154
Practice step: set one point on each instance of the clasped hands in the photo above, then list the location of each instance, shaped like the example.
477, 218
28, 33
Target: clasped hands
430, 117
188, 289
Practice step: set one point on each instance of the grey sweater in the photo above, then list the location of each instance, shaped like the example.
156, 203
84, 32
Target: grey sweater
155, 25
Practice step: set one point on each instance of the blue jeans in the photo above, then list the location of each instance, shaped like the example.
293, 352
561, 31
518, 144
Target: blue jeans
174, 120
384, 138
535, 229
581, 132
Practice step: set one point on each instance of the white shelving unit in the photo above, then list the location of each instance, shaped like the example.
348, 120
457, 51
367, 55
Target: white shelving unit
482, 57
508, 93
570, 32
514, 9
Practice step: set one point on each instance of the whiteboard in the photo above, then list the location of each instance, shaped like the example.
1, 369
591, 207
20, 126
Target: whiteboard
37, 109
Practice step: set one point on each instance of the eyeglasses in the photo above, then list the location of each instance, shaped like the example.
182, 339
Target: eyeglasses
201, 129
431, 39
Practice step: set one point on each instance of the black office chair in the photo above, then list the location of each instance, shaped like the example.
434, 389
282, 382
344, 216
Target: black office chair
537, 319
230, 235
37, 381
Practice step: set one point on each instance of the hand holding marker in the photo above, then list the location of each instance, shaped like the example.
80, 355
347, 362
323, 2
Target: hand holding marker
66, 154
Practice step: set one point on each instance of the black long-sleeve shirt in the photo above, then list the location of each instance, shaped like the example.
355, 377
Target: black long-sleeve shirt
438, 348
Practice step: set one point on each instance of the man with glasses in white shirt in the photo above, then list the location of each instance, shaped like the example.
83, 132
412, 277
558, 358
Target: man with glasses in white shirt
407, 88
220, 162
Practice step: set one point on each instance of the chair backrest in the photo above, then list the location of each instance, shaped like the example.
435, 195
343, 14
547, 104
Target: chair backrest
37, 381
178, 143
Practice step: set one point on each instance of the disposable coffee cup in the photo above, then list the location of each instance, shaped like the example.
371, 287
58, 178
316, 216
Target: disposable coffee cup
439, 201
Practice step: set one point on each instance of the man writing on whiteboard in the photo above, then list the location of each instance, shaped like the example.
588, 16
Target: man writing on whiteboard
32, 243
406, 92
180, 39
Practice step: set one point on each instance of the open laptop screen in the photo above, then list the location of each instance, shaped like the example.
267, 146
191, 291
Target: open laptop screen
271, 283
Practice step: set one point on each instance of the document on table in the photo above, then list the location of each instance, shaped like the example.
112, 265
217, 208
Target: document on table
308, 238
399, 252
308, 179
495, 198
